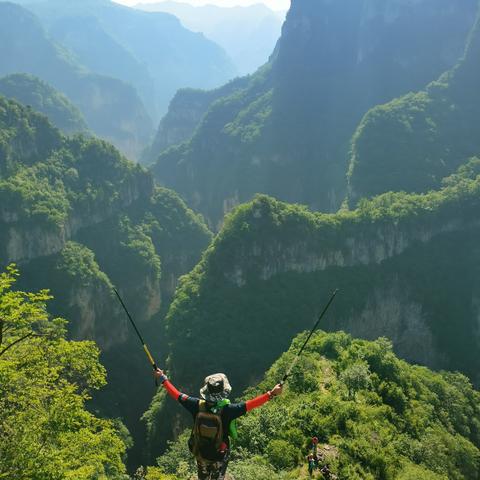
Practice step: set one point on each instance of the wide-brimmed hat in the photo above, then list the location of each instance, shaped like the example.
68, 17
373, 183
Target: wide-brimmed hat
216, 387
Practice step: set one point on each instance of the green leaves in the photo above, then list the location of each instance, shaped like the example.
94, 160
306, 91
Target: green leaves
45, 431
376, 417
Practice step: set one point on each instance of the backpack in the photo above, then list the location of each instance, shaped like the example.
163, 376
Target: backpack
207, 434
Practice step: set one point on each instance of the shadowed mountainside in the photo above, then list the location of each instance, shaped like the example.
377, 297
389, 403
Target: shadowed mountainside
287, 133
413, 142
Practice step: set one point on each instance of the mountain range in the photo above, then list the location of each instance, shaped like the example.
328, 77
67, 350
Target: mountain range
288, 132
248, 34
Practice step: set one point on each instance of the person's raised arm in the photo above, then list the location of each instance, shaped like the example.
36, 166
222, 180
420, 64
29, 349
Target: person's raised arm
169, 387
262, 399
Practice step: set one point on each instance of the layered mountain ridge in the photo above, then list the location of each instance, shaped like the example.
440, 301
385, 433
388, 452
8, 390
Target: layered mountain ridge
247, 33
43, 98
288, 133
150, 50
112, 109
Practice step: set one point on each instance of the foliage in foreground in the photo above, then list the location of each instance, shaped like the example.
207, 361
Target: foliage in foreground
387, 419
45, 431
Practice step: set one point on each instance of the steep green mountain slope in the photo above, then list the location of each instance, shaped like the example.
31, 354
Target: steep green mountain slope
43, 98
185, 112
247, 33
45, 381
376, 417
78, 217
288, 133
413, 142
163, 56
111, 108
407, 267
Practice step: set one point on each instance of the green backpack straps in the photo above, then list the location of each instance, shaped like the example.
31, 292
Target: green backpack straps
232, 428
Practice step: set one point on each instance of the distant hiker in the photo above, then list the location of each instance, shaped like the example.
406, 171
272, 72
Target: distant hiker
314, 448
312, 464
327, 474
214, 420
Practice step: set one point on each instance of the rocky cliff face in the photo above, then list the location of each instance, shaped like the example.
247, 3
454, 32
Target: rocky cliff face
272, 265
415, 141
26, 239
185, 113
354, 245
392, 312
288, 134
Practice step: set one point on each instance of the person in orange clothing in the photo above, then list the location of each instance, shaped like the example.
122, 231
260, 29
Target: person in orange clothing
214, 421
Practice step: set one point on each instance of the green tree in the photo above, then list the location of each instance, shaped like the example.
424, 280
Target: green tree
356, 377
45, 431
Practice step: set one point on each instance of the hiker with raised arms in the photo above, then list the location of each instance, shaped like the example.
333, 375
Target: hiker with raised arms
214, 421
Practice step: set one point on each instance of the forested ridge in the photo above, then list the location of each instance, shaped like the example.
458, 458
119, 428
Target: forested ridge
415, 141
43, 98
270, 267
79, 218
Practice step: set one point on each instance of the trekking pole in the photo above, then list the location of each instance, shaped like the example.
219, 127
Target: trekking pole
295, 360
144, 345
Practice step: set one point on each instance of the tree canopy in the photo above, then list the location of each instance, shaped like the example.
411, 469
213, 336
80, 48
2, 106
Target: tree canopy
46, 433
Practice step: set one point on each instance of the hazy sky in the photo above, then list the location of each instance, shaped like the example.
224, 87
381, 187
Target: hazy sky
274, 4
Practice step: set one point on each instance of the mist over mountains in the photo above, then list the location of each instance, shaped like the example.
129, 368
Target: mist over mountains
247, 34
119, 66
167, 55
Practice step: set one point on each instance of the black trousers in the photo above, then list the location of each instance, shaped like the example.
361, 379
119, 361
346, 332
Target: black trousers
212, 470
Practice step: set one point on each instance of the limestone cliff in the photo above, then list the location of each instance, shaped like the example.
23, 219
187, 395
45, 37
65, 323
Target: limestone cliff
185, 112
415, 141
397, 261
288, 133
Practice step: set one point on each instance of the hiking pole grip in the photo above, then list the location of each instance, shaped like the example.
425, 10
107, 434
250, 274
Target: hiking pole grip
152, 362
